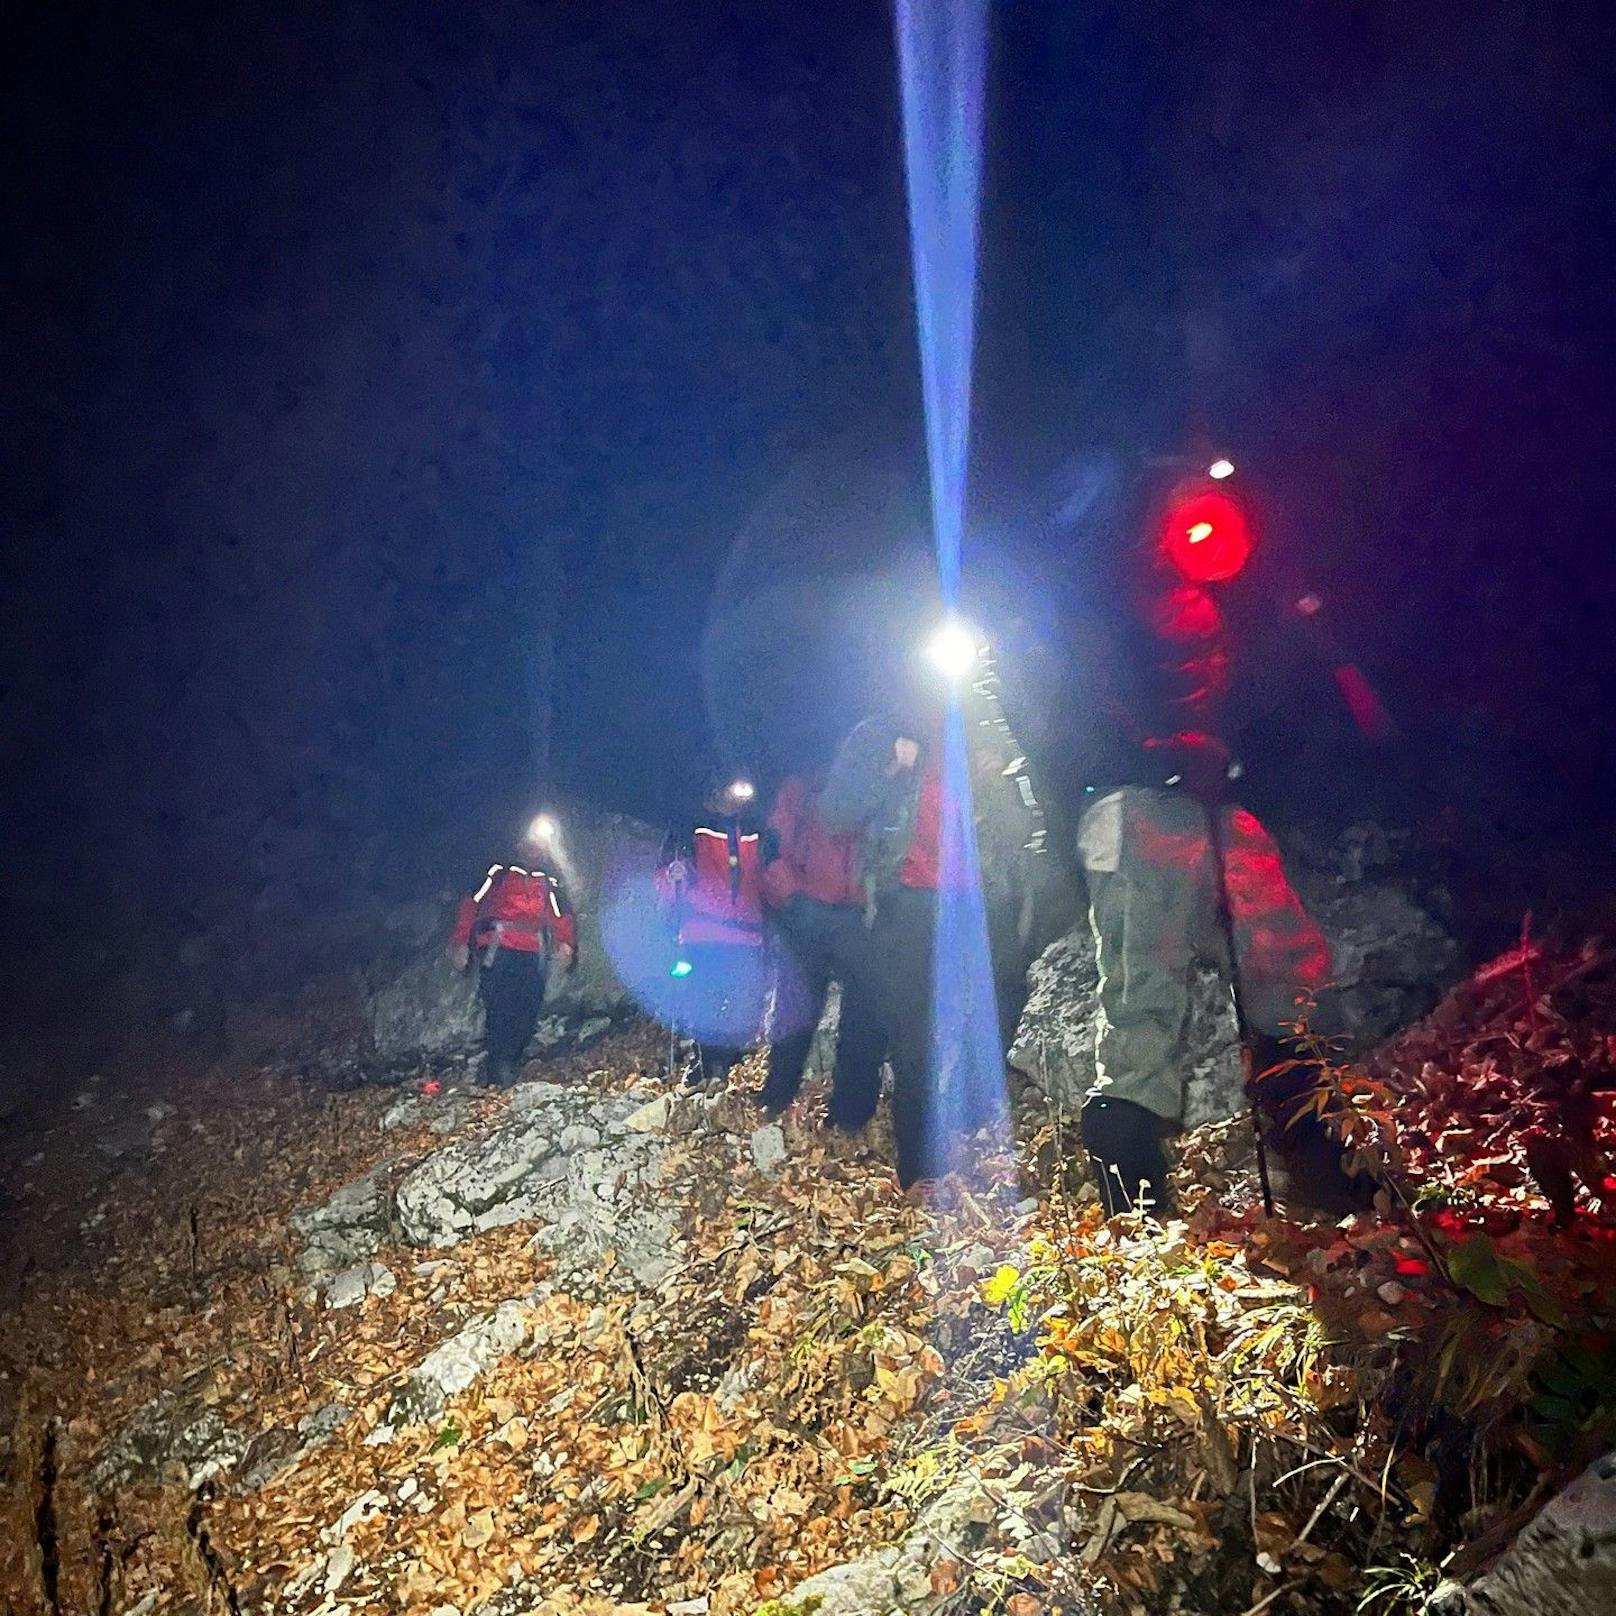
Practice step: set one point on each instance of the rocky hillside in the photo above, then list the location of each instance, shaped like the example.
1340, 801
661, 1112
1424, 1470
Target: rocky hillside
597, 1345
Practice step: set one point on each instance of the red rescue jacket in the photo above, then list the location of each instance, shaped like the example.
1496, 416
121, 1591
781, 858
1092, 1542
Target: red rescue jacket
717, 896
812, 862
524, 910
923, 862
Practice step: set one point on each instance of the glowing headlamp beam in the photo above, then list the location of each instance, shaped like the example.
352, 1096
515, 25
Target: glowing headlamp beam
942, 50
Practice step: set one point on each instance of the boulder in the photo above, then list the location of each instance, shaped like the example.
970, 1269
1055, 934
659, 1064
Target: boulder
347, 1228
353, 1285
1563, 1564
425, 1010
898, 1580
1392, 957
581, 1164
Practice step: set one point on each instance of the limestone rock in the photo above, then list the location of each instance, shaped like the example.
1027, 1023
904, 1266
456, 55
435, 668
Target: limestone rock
449, 1369
426, 1009
768, 1148
347, 1228
353, 1285
176, 1434
272, 1453
569, 1159
897, 1580
1563, 1564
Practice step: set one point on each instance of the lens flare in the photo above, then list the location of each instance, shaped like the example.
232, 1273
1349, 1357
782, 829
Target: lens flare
955, 649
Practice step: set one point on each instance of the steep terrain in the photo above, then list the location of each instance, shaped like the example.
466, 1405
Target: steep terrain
598, 1345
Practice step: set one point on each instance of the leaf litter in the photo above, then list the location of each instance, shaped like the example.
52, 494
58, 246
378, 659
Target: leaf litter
1225, 1411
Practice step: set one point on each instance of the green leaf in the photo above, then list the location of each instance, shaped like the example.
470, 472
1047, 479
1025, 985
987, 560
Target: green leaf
649, 1489
1474, 1266
448, 1435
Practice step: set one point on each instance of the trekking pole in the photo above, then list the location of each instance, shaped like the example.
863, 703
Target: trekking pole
677, 874
1220, 873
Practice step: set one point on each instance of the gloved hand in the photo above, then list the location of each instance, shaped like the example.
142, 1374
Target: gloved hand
460, 955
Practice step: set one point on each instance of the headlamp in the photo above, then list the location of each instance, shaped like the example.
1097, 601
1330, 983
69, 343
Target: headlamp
955, 649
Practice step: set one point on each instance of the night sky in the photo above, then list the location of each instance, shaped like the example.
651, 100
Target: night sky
403, 395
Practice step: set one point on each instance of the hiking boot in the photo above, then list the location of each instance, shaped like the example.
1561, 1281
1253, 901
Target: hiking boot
1304, 1144
1125, 1147
1313, 1176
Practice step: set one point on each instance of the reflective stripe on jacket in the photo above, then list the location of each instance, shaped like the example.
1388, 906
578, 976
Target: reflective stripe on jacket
524, 910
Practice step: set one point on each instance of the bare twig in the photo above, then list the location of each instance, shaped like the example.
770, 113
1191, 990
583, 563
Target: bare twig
1268, 1599
1122, 1481
1324, 1504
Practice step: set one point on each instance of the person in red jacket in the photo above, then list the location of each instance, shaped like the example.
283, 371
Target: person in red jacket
886, 786
712, 889
517, 925
811, 885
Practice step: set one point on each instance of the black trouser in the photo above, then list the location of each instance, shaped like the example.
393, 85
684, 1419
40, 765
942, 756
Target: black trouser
724, 994
935, 1093
512, 987
894, 964
822, 942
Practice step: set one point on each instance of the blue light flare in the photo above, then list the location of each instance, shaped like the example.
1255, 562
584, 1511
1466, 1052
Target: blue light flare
942, 49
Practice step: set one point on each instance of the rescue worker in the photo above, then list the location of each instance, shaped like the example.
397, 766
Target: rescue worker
517, 926
1163, 892
712, 889
811, 885
887, 783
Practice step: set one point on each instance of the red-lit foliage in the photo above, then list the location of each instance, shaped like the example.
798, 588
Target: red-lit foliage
1509, 1089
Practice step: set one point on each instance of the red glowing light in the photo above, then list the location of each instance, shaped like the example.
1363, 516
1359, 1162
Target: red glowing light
1187, 612
1207, 538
